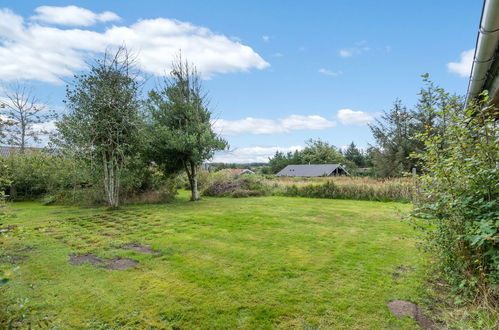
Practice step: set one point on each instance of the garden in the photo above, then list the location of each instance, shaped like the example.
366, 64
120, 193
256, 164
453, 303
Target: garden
117, 223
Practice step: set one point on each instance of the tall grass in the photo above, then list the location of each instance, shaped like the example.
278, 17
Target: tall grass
356, 188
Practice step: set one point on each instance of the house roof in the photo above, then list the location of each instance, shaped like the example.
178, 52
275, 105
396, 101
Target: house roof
309, 170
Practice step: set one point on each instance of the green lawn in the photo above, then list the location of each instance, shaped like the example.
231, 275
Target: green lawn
269, 262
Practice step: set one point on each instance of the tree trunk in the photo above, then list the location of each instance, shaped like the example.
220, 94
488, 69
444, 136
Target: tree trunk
111, 180
195, 192
193, 180
13, 192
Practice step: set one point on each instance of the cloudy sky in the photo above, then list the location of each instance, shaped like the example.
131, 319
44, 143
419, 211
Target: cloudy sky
279, 72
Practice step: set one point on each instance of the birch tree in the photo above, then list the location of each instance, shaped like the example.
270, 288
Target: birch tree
181, 134
103, 119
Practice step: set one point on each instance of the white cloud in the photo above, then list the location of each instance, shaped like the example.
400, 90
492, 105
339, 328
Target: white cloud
251, 154
48, 126
265, 38
345, 53
330, 73
463, 67
278, 54
252, 125
32, 51
359, 48
351, 117
72, 16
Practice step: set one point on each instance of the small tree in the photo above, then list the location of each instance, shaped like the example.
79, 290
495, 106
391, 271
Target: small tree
23, 112
457, 204
321, 152
181, 134
394, 136
104, 119
353, 154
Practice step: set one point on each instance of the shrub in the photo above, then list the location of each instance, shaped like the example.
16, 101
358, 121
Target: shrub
224, 183
457, 205
35, 173
88, 196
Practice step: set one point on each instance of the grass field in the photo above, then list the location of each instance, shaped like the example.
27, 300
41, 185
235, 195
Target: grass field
266, 262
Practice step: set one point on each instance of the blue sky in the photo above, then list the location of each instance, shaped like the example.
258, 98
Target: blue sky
278, 72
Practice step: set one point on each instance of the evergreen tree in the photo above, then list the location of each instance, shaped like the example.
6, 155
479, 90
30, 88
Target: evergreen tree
353, 154
394, 136
181, 134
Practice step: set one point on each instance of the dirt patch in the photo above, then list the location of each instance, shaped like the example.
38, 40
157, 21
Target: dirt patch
401, 308
139, 248
85, 258
122, 263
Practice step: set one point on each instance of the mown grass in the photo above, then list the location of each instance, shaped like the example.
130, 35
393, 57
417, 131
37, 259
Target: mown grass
263, 262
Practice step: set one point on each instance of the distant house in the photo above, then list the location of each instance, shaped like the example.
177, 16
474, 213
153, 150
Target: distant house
313, 170
240, 171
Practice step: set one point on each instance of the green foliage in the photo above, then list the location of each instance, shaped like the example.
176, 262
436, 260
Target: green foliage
104, 122
5, 271
397, 131
458, 200
80, 196
35, 173
394, 136
181, 134
356, 156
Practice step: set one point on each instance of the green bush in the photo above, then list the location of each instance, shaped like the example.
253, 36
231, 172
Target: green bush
457, 205
88, 196
37, 172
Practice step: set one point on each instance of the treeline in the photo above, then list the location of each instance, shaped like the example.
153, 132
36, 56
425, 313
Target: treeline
111, 138
397, 134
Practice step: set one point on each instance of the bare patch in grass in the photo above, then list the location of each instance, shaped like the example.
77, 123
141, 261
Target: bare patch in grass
401, 308
122, 263
85, 258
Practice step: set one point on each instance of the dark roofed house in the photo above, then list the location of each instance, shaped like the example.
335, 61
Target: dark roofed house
313, 170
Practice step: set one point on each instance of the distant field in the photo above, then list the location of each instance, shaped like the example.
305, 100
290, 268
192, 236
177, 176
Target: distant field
262, 262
